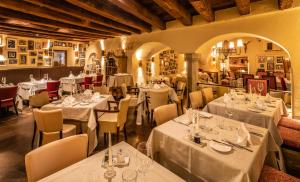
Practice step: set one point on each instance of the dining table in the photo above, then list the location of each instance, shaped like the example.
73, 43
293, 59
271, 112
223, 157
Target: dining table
245, 111
175, 147
118, 79
91, 170
82, 110
71, 83
144, 91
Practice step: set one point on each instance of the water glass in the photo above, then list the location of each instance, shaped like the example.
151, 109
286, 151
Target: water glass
31, 77
3, 80
129, 175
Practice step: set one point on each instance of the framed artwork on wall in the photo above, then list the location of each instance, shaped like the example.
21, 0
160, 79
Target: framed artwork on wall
23, 59
22, 42
270, 59
261, 66
270, 66
12, 61
279, 59
22, 49
11, 54
38, 45
11, 43
261, 59
48, 61
32, 53
30, 45
32, 60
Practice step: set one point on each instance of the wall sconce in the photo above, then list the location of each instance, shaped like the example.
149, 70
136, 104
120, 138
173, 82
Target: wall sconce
2, 58
102, 45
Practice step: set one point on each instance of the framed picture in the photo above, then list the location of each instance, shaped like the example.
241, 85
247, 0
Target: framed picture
262, 66
279, 59
22, 49
12, 61
11, 54
30, 45
32, 53
269, 46
48, 61
11, 43
38, 45
22, 42
261, 59
23, 59
270, 59
270, 66
32, 60
1, 40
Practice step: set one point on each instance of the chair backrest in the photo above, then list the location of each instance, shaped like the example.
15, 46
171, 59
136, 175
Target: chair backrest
254, 84
222, 90
48, 121
55, 156
102, 90
88, 80
99, 78
245, 77
283, 84
181, 86
53, 86
272, 81
8, 92
124, 89
196, 99
261, 74
123, 109
158, 98
165, 113
39, 100
207, 94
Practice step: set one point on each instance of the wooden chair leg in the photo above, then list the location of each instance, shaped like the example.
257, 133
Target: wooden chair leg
33, 136
61, 134
151, 118
40, 138
118, 134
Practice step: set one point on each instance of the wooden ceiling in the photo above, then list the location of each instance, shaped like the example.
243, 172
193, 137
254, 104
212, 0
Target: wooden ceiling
85, 20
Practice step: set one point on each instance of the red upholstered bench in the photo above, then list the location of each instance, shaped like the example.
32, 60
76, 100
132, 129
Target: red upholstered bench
269, 174
290, 132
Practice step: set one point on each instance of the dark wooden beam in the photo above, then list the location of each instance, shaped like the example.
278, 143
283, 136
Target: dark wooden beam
107, 10
285, 4
175, 9
138, 10
203, 7
39, 11
11, 14
70, 9
243, 6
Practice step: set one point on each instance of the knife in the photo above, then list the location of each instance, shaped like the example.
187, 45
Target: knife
239, 146
222, 143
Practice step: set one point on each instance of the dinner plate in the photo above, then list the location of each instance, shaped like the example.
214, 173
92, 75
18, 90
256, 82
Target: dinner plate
83, 103
219, 147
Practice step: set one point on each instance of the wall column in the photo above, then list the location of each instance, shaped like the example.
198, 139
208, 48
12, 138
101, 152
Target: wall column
192, 60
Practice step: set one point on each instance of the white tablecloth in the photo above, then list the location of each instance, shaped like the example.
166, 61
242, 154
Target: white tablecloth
193, 162
70, 83
266, 119
27, 89
118, 79
84, 113
88, 168
142, 100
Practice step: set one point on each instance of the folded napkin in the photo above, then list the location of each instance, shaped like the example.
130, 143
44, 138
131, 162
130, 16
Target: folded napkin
205, 114
268, 98
71, 75
70, 100
243, 136
96, 96
260, 104
156, 86
88, 92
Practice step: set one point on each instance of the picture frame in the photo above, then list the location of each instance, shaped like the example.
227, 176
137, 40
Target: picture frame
32, 53
11, 54
30, 45
12, 61
270, 66
11, 43
270, 59
23, 59
38, 45
48, 61
22, 42
261, 59
32, 60
279, 59
22, 49
262, 66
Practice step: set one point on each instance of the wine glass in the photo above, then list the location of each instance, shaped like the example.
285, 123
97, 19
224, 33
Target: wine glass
145, 163
260, 87
229, 107
31, 77
3, 80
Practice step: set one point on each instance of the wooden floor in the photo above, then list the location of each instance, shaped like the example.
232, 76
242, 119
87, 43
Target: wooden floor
15, 142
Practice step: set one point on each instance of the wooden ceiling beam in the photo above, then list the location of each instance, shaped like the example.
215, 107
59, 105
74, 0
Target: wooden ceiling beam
175, 9
243, 6
285, 4
23, 17
67, 8
203, 7
138, 10
107, 10
39, 11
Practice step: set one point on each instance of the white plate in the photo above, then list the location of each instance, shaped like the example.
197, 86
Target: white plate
219, 147
84, 103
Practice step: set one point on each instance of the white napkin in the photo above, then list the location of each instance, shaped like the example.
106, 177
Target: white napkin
156, 86
260, 104
268, 98
71, 76
205, 114
96, 96
243, 136
226, 98
162, 84
88, 92
70, 100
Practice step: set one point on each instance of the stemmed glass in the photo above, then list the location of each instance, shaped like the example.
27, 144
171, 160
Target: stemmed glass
260, 87
3, 80
31, 77
145, 163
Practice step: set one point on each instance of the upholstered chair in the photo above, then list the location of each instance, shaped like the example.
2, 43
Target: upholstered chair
37, 101
133, 96
113, 121
180, 93
88, 82
165, 113
269, 174
207, 94
52, 89
254, 84
196, 99
102, 90
157, 98
98, 81
222, 90
55, 156
50, 126
8, 97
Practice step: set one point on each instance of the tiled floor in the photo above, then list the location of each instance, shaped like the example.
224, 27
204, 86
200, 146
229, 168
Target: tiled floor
15, 142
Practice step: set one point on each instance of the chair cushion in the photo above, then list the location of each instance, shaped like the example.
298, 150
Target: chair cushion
108, 122
270, 174
290, 123
290, 136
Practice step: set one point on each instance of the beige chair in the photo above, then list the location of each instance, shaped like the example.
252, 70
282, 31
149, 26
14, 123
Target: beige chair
180, 93
157, 98
196, 99
221, 91
113, 121
50, 126
165, 113
102, 90
133, 97
207, 94
55, 156
37, 101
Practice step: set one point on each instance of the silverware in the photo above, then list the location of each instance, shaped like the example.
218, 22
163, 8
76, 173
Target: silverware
222, 143
239, 146
257, 134
181, 123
